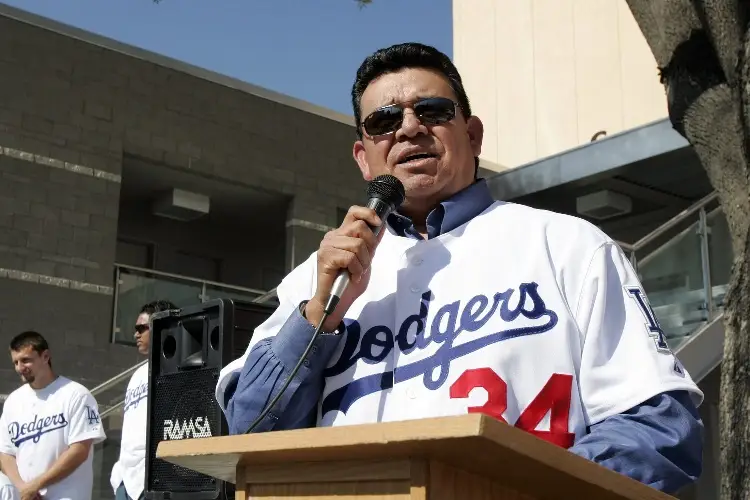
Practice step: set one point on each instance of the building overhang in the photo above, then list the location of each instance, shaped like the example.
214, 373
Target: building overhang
651, 171
597, 159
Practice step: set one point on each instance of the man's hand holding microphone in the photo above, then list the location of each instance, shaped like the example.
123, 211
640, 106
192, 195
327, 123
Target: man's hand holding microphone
346, 253
344, 261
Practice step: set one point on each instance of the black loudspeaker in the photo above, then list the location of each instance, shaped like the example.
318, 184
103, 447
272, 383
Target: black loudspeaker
189, 347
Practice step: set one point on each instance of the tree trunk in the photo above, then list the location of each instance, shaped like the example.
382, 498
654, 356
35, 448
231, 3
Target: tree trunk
703, 53
734, 403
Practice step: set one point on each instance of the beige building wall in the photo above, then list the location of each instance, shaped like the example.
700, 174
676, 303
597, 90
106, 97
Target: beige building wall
546, 75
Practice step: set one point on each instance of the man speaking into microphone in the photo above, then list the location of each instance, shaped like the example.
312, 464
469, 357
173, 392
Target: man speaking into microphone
457, 303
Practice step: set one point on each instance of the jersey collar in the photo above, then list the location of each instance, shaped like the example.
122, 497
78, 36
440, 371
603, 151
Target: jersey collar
450, 214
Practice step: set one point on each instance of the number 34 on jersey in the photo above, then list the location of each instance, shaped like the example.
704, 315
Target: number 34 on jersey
554, 398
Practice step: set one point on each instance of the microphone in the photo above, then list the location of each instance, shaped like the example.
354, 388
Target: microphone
386, 194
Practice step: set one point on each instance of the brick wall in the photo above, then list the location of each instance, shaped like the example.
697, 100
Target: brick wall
55, 222
80, 108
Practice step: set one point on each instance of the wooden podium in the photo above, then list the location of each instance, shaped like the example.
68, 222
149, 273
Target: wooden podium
469, 457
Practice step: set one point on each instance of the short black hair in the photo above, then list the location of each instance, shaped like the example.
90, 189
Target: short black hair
406, 55
32, 339
157, 306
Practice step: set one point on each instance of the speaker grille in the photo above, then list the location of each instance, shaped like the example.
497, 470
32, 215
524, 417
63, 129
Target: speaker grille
185, 408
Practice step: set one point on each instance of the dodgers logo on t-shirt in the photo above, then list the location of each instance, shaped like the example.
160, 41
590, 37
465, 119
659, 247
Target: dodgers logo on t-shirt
134, 396
34, 429
450, 321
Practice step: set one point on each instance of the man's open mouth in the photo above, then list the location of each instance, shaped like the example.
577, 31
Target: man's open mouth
416, 156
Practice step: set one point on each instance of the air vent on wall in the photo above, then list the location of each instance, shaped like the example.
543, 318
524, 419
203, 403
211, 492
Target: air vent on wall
181, 205
603, 205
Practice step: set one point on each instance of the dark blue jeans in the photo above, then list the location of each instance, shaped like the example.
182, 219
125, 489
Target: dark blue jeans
121, 494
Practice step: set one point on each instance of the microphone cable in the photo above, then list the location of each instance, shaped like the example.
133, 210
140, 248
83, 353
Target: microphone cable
291, 376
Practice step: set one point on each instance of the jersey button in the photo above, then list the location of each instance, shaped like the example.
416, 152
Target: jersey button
415, 289
417, 261
410, 393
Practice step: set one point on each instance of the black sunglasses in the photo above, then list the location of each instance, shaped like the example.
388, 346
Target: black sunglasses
141, 328
430, 111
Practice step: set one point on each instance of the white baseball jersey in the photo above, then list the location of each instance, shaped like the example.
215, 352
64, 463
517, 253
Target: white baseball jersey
532, 317
37, 426
131, 466
7, 490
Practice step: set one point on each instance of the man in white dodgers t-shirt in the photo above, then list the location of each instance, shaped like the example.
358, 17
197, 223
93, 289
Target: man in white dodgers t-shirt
48, 427
129, 472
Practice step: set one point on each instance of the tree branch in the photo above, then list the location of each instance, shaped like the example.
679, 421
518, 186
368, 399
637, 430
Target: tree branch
665, 24
723, 20
714, 128
702, 106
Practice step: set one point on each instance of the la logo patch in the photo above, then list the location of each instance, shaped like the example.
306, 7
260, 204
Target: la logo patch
92, 415
652, 324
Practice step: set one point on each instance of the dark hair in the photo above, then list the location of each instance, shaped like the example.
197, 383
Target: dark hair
31, 339
157, 306
406, 55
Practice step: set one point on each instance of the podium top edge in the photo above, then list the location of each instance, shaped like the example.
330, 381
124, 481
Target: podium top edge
320, 438
474, 442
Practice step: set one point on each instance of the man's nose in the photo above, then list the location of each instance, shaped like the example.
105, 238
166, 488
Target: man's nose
411, 125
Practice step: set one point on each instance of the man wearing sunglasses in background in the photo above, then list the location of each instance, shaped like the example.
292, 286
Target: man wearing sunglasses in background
129, 472
468, 304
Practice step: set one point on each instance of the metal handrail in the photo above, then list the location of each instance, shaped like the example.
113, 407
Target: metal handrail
104, 414
627, 247
674, 221
218, 284
661, 248
266, 296
108, 384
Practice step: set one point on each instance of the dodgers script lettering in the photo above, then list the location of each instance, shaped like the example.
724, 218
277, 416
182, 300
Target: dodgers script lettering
449, 322
35, 429
135, 395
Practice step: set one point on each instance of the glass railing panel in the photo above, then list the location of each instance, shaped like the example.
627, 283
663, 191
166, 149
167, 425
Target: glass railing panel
672, 276
661, 236
135, 288
221, 292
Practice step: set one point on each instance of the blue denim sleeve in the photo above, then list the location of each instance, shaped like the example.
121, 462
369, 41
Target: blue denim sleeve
267, 367
659, 442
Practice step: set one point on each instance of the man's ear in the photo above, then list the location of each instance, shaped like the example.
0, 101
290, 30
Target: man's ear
475, 129
360, 156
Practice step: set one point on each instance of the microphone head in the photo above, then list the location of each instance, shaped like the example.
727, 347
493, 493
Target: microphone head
387, 188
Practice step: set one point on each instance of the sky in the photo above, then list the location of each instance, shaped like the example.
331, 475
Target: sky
309, 49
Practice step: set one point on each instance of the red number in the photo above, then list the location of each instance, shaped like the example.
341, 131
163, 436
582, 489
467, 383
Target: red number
487, 379
554, 398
